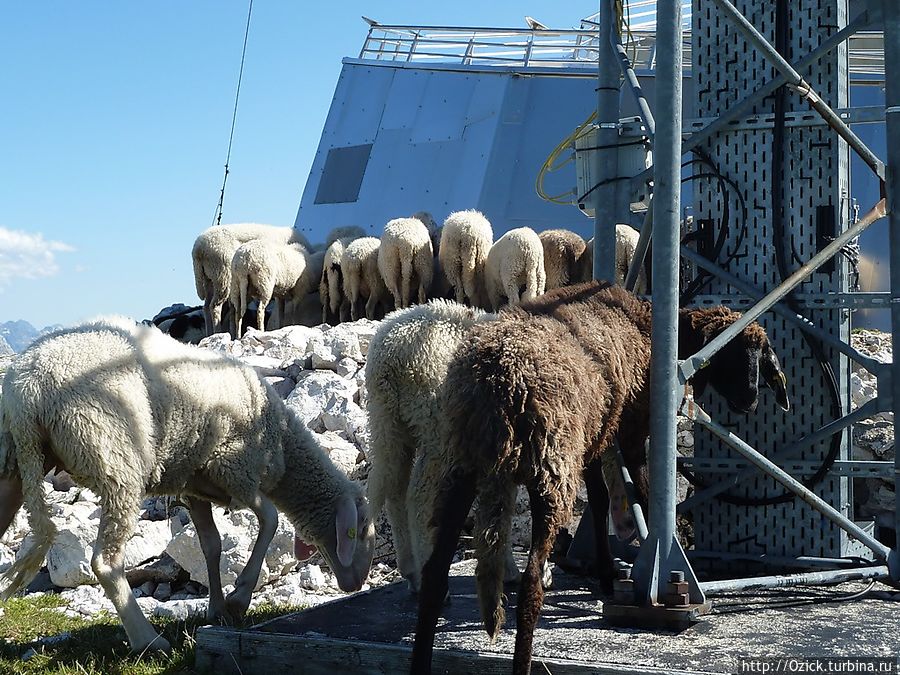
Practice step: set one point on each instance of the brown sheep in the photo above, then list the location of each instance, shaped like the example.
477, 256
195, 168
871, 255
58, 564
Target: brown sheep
563, 250
552, 383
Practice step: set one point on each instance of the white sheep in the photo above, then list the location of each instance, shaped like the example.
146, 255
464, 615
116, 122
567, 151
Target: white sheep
405, 372
362, 280
406, 257
348, 232
562, 257
466, 239
406, 369
212, 253
515, 268
264, 270
626, 243
127, 411
335, 306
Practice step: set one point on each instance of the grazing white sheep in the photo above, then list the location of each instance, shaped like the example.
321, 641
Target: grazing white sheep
626, 243
127, 411
405, 372
362, 280
466, 239
404, 257
348, 232
212, 253
335, 306
562, 257
515, 268
265, 270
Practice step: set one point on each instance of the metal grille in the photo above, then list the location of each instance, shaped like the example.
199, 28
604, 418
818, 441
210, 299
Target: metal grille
816, 174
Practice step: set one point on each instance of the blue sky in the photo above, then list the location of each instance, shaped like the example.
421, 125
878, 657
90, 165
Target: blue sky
114, 128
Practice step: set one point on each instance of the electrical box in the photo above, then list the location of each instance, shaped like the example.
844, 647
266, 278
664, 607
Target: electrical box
634, 158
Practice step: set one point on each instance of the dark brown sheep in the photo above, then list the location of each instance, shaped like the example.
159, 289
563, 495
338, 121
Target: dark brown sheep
533, 399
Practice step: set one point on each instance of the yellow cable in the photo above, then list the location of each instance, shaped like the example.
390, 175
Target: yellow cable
550, 164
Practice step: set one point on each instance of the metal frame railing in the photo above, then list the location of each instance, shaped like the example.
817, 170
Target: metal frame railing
552, 48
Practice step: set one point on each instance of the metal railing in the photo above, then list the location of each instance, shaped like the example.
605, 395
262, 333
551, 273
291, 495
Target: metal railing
548, 48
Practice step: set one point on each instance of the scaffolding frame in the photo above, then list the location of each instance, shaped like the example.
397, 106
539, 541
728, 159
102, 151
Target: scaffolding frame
661, 561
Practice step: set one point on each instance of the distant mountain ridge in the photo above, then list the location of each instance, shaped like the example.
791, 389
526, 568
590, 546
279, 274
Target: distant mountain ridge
19, 334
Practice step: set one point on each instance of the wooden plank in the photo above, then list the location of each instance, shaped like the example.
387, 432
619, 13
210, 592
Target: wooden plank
230, 652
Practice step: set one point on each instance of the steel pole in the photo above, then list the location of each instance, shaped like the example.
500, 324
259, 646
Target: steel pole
892, 117
661, 553
784, 581
606, 158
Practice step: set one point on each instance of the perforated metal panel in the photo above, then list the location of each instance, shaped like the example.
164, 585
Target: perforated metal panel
816, 175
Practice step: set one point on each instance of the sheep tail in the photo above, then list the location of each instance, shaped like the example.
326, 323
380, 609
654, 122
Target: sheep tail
493, 517
30, 459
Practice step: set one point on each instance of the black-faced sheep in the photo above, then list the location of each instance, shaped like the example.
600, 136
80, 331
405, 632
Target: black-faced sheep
533, 399
212, 253
466, 239
362, 280
127, 411
406, 260
515, 268
626, 243
562, 257
267, 270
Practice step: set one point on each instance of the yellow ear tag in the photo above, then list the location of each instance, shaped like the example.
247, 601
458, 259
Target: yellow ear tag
351, 533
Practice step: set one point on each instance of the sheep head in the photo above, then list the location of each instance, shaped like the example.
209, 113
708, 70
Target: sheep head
349, 546
738, 369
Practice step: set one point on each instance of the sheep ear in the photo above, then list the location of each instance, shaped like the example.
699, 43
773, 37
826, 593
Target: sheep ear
345, 522
773, 377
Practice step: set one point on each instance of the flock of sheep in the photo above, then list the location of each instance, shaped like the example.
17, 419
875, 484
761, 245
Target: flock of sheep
358, 275
464, 403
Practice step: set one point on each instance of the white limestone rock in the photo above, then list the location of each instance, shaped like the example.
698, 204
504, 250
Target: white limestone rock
238, 530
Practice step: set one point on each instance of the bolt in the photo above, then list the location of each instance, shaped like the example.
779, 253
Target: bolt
676, 576
623, 574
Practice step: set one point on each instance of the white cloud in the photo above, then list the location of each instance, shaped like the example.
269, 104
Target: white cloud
26, 255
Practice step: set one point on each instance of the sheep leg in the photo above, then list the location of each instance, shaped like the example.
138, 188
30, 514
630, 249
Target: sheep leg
211, 545
453, 501
261, 313
11, 499
278, 318
493, 520
371, 306
238, 600
406, 272
512, 292
598, 500
400, 529
108, 563
546, 512
207, 313
353, 293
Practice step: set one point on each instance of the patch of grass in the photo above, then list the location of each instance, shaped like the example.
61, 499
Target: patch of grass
97, 646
